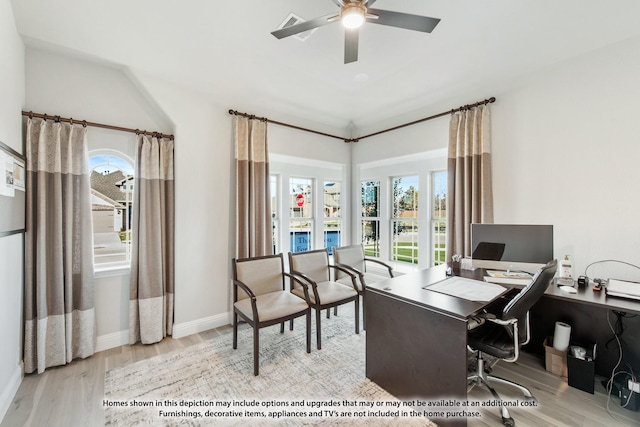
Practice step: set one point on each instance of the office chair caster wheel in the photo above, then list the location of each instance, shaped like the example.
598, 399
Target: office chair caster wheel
508, 422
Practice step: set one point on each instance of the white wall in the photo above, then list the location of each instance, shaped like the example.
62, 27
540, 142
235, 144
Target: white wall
12, 86
566, 147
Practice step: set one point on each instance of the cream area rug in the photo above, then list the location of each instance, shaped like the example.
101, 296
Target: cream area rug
212, 384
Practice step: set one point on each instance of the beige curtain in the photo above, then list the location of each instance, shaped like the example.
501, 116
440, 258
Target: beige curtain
253, 209
152, 255
59, 303
469, 188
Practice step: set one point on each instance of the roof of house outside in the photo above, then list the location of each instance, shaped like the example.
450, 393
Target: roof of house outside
106, 185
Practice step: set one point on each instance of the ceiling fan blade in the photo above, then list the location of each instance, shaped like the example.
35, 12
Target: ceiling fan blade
304, 26
350, 45
403, 20
338, 3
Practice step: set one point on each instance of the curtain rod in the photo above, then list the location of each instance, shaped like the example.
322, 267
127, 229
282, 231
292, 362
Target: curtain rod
85, 123
455, 110
264, 119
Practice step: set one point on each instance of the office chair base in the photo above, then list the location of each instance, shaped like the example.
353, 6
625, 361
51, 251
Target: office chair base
480, 377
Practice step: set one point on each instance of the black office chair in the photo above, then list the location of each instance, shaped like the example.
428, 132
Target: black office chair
502, 337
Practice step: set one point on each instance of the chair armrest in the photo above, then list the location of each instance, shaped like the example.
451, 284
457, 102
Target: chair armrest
387, 266
350, 268
245, 288
511, 324
349, 272
252, 296
305, 287
314, 286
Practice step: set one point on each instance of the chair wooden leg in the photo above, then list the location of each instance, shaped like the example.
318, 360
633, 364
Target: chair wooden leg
318, 333
364, 314
235, 330
291, 325
357, 304
282, 327
328, 313
256, 349
308, 330
335, 310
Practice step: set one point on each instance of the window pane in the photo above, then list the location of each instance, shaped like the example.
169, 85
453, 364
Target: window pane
405, 197
331, 234
404, 226
439, 217
439, 195
111, 208
300, 235
370, 198
332, 213
300, 198
405, 241
273, 189
300, 214
371, 238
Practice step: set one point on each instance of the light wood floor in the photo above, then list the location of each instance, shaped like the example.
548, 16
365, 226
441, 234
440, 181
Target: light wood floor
72, 395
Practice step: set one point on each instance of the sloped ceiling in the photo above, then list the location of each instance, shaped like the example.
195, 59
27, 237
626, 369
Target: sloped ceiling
480, 48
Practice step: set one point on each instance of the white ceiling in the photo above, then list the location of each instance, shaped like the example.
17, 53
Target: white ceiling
480, 47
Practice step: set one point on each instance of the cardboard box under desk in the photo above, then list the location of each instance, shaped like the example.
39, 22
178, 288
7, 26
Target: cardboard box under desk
555, 360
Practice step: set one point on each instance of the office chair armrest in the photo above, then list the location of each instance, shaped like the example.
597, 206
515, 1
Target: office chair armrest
384, 264
511, 324
503, 322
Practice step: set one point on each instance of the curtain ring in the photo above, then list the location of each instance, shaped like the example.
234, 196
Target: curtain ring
71, 121
31, 114
57, 119
45, 117
84, 123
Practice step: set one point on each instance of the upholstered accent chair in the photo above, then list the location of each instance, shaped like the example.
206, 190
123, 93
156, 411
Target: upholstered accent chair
313, 268
261, 300
353, 259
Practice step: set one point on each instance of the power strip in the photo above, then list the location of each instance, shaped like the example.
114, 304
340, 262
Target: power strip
634, 386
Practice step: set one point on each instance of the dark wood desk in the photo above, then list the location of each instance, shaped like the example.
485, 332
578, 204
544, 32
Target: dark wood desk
416, 338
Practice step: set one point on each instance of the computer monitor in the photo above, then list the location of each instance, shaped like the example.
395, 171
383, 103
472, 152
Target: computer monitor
511, 246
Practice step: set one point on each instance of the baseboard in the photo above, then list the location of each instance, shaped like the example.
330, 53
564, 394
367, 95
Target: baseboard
115, 339
9, 391
196, 326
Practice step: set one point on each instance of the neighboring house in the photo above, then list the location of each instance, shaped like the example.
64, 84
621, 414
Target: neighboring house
110, 194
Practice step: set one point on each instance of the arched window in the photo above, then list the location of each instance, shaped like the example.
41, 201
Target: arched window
111, 204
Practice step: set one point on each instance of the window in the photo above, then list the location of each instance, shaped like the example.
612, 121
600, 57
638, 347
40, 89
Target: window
370, 217
111, 206
404, 219
275, 220
439, 217
332, 214
300, 214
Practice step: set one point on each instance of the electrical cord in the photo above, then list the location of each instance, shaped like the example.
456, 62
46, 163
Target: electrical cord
609, 387
608, 260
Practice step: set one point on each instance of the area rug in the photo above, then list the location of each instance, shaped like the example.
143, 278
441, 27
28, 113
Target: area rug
212, 384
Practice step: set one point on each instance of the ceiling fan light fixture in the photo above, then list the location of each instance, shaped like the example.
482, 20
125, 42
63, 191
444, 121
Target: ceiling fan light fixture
353, 15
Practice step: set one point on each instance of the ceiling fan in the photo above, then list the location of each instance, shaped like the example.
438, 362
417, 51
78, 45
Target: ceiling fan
354, 13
